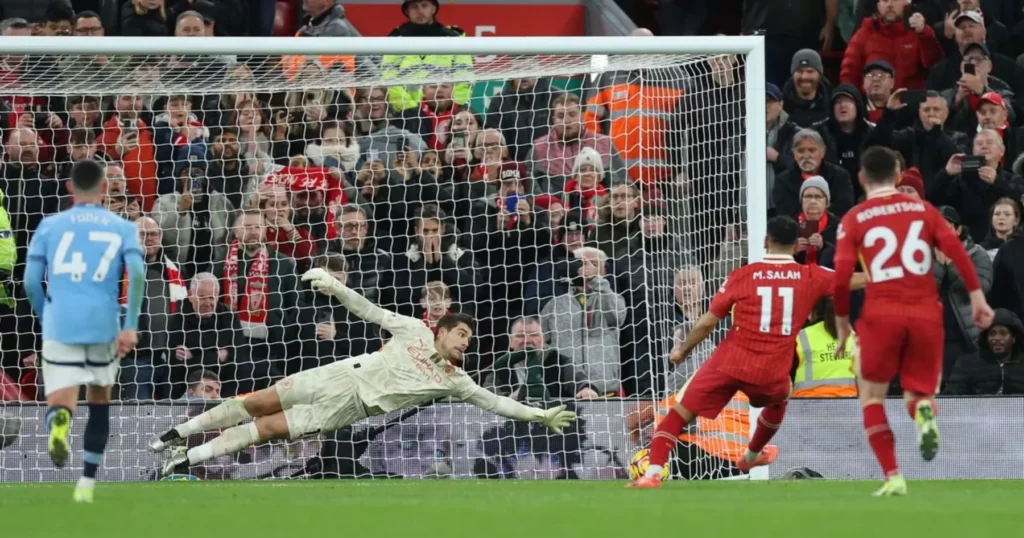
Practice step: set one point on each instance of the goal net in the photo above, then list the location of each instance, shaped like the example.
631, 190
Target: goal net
582, 207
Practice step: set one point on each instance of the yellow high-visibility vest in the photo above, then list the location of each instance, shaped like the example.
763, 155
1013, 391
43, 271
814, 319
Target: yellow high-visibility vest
819, 373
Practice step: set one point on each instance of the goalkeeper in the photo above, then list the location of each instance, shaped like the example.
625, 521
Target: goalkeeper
414, 367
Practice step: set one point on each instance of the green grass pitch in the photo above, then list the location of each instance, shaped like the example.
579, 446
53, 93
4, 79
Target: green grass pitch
520, 509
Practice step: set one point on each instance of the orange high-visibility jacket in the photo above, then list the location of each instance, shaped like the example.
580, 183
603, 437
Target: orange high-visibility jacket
726, 436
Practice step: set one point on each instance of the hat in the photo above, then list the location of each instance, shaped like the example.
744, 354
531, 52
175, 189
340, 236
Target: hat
951, 215
969, 15
980, 46
405, 6
880, 65
806, 58
511, 171
575, 222
846, 90
911, 177
815, 182
994, 98
544, 201
191, 156
773, 91
588, 156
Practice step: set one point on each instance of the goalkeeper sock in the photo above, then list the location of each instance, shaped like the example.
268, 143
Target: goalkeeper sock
97, 429
664, 441
767, 425
880, 437
912, 406
229, 442
230, 413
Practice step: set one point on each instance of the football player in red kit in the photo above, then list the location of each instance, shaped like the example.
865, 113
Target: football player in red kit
900, 327
770, 300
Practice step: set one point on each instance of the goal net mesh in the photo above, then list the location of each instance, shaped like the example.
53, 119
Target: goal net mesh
582, 208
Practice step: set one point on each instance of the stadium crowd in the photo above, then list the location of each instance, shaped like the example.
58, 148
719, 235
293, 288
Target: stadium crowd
583, 238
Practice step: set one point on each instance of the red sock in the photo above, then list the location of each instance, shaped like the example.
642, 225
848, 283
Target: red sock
665, 437
912, 406
767, 424
880, 438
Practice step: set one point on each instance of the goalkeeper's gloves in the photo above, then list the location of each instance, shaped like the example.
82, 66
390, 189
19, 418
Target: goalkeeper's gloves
557, 418
323, 282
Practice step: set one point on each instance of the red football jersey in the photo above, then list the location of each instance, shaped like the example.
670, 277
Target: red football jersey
894, 236
770, 301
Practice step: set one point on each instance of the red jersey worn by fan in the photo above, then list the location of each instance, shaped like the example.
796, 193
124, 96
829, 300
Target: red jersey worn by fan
769, 300
900, 327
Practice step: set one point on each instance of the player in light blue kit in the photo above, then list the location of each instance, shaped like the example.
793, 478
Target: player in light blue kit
82, 254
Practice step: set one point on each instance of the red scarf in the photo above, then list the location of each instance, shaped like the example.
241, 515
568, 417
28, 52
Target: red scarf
252, 306
439, 125
587, 197
812, 252
176, 290
313, 178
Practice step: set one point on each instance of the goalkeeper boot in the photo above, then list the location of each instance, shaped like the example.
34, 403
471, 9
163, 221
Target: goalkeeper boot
895, 486
83, 491
177, 463
165, 441
60, 443
927, 430
645, 482
756, 459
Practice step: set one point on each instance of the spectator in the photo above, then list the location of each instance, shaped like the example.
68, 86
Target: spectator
326, 18
29, 195
221, 18
458, 155
194, 221
961, 332
817, 242
98, 68
60, 19
422, 22
255, 146
431, 120
116, 199
327, 331
846, 132
584, 324
414, 182
84, 114
129, 139
377, 137
165, 289
204, 336
689, 295
807, 94
809, 157
966, 96
368, 268
997, 36
997, 367
176, 128
972, 192
780, 139
336, 148
522, 112
551, 277
993, 113
618, 227
144, 18
911, 47
925, 146
788, 28
586, 184
911, 183
532, 372
879, 83
1005, 219
435, 303
555, 153
202, 385
971, 31
259, 284
228, 173
282, 233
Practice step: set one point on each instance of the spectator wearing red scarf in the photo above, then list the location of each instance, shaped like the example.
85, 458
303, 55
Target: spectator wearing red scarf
586, 185
432, 120
816, 245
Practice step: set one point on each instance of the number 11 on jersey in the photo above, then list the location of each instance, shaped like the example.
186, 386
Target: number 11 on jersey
767, 295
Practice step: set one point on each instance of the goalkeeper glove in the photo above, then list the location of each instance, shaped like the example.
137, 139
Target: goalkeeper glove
557, 418
322, 281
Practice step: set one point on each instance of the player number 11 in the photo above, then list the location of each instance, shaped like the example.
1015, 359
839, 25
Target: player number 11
767, 300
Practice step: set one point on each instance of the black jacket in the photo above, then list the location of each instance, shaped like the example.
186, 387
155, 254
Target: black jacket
944, 74
352, 337
554, 372
786, 193
929, 151
521, 117
1008, 276
204, 337
149, 24
982, 373
973, 197
28, 198
806, 113
843, 148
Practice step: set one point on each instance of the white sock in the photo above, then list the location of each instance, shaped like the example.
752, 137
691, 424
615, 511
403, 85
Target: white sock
653, 471
230, 413
87, 483
229, 442
750, 456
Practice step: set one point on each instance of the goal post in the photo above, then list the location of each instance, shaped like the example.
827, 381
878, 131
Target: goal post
649, 150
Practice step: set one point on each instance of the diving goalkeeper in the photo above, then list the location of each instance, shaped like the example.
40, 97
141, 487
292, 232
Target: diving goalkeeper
414, 367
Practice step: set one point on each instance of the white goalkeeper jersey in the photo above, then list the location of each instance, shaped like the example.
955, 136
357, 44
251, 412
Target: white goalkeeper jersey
408, 371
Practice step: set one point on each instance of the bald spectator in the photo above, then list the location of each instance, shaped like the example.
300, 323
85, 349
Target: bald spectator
908, 44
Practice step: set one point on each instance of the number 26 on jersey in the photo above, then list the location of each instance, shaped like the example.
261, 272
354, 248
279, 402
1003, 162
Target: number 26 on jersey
915, 256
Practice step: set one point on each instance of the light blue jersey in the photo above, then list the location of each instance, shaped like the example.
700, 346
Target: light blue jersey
83, 253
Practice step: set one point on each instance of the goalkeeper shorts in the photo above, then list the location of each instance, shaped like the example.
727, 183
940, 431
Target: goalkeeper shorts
320, 400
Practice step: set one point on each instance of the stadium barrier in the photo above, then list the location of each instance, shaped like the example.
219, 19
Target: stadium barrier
980, 441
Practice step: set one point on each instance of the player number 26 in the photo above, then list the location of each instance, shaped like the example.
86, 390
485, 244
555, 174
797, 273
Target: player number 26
915, 254
76, 266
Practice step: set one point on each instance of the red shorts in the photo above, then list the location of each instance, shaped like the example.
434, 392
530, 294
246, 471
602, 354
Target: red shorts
910, 348
710, 390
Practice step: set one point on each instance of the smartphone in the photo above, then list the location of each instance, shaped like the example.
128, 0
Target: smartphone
459, 140
912, 98
808, 228
511, 202
331, 162
373, 156
969, 69
972, 163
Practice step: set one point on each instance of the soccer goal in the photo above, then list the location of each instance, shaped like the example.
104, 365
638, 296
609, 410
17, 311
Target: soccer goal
582, 198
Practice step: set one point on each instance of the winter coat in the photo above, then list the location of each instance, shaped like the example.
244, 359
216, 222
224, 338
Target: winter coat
805, 113
929, 151
952, 289
786, 193
177, 226
780, 137
973, 197
843, 148
521, 117
982, 373
964, 117
909, 52
1008, 276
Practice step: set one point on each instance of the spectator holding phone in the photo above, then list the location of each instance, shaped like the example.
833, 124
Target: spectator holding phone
976, 80
817, 242
972, 183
